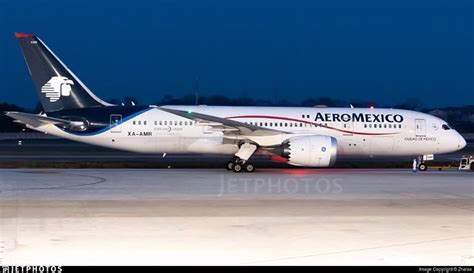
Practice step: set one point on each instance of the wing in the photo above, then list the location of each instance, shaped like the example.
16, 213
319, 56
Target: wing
234, 129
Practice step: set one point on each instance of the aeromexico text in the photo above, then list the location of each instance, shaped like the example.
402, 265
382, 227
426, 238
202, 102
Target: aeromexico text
358, 117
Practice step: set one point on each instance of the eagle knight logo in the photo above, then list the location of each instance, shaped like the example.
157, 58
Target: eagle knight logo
57, 87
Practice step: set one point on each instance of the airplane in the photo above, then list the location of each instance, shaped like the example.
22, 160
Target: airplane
298, 136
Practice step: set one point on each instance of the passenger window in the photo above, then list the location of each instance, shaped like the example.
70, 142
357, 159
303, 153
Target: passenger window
144, 122
134, 123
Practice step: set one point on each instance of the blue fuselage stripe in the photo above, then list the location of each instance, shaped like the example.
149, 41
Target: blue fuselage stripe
110, 126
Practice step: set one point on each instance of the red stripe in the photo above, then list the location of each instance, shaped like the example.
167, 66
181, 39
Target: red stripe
279, 159
22, 35
313, 123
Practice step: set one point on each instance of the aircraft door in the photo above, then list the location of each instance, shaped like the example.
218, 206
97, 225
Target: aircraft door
115, 123
420, 127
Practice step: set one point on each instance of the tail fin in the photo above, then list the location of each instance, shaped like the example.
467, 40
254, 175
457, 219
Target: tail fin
58, 88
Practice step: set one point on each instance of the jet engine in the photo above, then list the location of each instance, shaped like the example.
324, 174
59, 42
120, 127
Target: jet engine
310, 151
78, 124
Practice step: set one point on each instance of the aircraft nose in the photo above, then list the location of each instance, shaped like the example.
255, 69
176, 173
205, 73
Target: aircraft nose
462, 142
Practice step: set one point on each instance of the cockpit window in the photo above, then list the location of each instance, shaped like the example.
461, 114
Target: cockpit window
446, 127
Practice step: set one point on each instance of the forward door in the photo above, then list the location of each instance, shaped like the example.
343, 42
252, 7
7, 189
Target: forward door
420, 127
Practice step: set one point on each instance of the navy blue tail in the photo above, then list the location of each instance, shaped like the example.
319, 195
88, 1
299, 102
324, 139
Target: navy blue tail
57, 86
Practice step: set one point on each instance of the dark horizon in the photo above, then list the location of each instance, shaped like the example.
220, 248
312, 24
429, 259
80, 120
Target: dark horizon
384, 52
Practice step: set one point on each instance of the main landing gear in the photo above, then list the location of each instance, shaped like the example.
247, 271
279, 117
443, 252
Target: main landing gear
238, 165
240, 161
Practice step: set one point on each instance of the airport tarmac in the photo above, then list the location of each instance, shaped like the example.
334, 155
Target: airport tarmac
203, 216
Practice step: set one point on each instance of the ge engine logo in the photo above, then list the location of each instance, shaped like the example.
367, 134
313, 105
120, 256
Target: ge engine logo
57, 87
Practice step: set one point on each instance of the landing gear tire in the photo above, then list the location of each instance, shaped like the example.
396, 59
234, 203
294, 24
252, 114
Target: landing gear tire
472, 166
422, 167
249, 168
237, 168
230, 165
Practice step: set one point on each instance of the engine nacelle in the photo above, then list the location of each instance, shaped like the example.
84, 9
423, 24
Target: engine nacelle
78, 124
310, 151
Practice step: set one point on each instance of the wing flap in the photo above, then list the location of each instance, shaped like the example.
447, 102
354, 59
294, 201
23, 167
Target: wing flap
217, 122
233, 129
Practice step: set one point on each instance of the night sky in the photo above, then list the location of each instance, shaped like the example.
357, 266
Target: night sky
385, 51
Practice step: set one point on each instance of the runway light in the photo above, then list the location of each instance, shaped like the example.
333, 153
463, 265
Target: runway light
190, 112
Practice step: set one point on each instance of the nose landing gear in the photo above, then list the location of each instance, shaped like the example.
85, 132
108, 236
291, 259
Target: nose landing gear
421, 165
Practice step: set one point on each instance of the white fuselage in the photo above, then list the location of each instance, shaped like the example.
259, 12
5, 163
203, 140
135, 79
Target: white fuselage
359, 132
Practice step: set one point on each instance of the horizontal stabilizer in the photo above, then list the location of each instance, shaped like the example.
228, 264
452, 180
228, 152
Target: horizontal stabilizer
36, 121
